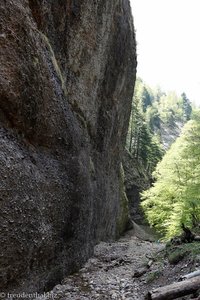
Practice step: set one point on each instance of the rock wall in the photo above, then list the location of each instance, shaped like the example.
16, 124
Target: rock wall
137, 179
67, 72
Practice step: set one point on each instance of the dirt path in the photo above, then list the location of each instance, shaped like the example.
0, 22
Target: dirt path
109, 274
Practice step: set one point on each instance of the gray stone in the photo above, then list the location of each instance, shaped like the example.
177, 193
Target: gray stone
67, 71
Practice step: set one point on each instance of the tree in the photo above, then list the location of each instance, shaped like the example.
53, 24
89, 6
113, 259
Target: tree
187, 108
141, 142
156, 119
146, 99
174, 198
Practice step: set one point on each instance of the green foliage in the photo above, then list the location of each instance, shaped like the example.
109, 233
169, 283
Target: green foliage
154, 275
176, 253
167, 109
174, 198
155, 116
141, 142
176, 256
153, 112
170, 108
186, 106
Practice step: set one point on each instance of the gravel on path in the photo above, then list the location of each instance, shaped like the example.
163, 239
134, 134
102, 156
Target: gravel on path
109, 274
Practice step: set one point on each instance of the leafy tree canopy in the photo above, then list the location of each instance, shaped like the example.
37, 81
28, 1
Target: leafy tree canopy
175, 196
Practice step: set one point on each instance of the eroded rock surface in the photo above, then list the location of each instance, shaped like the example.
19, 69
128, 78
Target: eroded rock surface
67, 71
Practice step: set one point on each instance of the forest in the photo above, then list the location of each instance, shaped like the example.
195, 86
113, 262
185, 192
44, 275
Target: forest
164, 135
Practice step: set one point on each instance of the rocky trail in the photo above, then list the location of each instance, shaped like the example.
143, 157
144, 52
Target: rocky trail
109, 274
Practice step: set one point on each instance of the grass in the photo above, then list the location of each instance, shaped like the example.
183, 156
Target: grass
152, 276
186, 256
174, 254
177, 256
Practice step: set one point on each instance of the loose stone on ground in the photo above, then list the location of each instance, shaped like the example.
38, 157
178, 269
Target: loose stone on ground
109, 274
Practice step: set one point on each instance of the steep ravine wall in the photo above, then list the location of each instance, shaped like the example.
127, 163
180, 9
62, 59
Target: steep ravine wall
137, 179
67, 72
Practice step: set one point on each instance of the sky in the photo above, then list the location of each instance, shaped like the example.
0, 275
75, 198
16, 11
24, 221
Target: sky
168, 44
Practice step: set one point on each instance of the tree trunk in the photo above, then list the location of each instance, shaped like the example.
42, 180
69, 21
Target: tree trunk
175, 290
190, 275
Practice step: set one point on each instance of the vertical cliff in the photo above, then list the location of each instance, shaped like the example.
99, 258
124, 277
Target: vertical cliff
67, 71
137, 179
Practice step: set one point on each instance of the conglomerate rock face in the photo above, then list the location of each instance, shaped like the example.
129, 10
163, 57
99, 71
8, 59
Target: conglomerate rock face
67, 71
